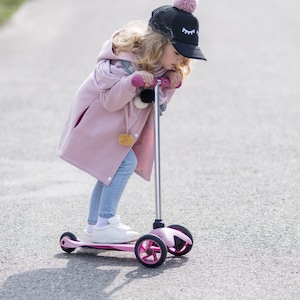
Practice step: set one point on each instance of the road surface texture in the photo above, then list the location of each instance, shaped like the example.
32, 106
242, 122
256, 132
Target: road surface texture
230, 157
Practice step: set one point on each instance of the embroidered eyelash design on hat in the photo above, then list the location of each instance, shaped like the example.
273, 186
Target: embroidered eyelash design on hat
188, 32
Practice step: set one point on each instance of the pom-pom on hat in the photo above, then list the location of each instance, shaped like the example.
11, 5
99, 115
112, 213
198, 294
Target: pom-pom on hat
178, 23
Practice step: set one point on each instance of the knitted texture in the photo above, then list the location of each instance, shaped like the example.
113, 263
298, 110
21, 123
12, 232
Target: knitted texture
188, 6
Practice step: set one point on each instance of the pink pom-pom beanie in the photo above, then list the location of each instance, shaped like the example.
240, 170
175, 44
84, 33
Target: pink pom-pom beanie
180, 25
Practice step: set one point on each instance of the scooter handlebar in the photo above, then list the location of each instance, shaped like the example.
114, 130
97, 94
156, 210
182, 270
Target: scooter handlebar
138, 81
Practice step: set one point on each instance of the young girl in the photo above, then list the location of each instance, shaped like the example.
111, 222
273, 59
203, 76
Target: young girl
109, 131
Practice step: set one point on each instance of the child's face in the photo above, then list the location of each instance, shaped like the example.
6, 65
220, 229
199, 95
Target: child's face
171, 58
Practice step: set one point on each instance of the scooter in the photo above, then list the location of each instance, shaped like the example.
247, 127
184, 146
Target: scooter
151, 249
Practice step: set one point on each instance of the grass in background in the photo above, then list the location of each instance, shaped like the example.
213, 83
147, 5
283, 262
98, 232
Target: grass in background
7, 8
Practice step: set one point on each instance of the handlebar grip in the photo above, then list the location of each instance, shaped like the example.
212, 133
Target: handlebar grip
137, 81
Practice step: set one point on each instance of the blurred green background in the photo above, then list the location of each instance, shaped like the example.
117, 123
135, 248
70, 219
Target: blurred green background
7, 8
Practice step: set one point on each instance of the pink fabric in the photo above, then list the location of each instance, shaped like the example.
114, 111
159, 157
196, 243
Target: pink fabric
101, 110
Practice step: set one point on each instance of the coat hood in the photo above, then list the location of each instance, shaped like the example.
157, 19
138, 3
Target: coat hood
107, 52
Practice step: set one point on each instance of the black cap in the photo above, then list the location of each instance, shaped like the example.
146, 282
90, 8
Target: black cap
181, 27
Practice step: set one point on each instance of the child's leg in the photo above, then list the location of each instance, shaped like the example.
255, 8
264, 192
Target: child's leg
112, 193
109, 228
94, 206
105, 199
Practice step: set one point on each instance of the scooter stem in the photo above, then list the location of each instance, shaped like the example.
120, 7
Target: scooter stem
158, 221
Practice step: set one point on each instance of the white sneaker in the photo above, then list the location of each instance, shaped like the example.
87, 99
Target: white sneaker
115, 232
86, 236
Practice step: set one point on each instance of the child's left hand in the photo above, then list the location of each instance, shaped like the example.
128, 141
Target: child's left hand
175, 78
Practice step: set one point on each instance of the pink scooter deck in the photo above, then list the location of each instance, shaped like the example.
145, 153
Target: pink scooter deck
68, 243
166, 234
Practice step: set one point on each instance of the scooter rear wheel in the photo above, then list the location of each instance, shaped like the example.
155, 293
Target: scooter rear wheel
69, 235
181, 247
150, 250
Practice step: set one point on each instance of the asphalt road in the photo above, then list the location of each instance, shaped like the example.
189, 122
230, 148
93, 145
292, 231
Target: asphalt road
230, 157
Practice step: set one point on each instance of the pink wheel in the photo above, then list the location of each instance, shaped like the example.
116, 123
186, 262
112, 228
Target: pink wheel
181, 247
150, 250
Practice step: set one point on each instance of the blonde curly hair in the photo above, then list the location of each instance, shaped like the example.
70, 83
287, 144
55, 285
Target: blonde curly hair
148, 46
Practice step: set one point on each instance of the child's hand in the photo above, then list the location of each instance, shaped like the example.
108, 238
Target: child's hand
148, 78
175, 78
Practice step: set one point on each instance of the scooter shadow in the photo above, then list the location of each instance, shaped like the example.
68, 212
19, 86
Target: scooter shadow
87, 274
118, 261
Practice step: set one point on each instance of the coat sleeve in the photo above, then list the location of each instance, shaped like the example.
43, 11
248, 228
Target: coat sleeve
118, 95
114, 84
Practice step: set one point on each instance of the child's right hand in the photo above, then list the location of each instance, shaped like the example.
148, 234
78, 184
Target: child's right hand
148, 77
175, 79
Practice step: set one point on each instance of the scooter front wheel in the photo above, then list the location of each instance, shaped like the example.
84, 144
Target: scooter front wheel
181, 247
150, 250
70, 236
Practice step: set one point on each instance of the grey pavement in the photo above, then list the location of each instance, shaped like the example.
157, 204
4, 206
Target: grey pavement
230, 157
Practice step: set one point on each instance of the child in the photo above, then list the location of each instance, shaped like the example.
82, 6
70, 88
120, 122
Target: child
110, 128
